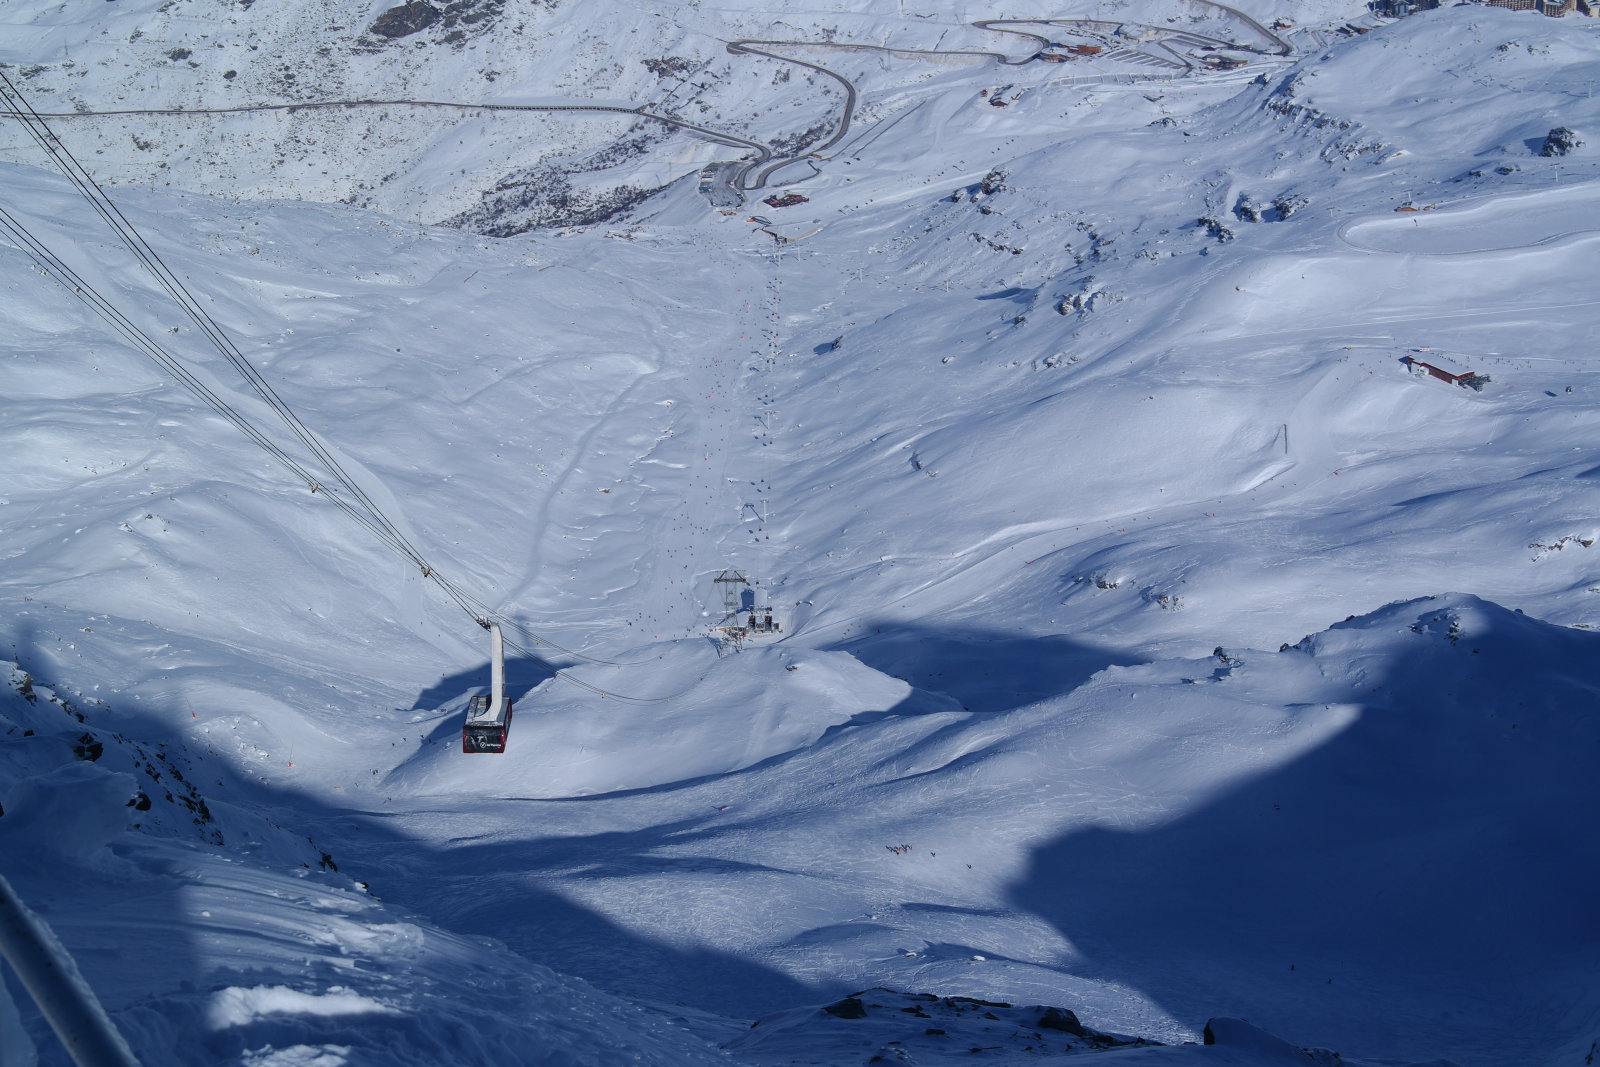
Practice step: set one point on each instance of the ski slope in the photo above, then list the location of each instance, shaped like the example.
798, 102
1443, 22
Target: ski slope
1155, 647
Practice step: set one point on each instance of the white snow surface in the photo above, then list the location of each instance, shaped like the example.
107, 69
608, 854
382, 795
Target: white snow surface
1154, 644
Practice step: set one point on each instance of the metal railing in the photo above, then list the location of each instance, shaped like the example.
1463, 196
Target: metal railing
47, 972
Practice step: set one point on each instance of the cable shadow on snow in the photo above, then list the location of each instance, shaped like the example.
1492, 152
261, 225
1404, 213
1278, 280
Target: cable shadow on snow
1407, 888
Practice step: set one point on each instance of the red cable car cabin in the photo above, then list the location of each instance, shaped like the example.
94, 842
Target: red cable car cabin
489, 714
486, 726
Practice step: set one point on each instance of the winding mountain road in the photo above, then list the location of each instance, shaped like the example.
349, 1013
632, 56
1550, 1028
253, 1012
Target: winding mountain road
765, 164
1096, 28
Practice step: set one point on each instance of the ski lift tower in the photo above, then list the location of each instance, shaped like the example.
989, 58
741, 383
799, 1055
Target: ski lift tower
733, 585
730, 581
740, 616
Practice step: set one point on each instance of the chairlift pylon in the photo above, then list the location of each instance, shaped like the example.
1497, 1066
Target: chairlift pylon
740, 617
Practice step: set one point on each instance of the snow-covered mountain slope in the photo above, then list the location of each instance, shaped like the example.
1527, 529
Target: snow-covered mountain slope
1311, 836
494, 171
1036, 408
237, 944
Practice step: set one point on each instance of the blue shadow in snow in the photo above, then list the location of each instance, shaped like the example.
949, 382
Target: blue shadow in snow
499, 889
524, 674
1403, 890
1021, 296
468, 884
986, 671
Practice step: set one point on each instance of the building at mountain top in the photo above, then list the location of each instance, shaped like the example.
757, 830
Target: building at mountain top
1397, 9
1554, 8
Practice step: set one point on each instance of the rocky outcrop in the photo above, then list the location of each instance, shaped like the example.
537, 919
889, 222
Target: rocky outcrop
1560, 141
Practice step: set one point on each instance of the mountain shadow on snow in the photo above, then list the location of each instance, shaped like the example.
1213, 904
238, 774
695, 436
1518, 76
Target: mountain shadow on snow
978, 669
1418, 849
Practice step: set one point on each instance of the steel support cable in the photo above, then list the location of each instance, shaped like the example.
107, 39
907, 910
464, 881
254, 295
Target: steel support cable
68, 279
64, 275
169, 281
368, 515
483, 610
608, 694
55, 268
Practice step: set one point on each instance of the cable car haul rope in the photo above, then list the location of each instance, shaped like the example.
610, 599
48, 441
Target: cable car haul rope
335, 483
